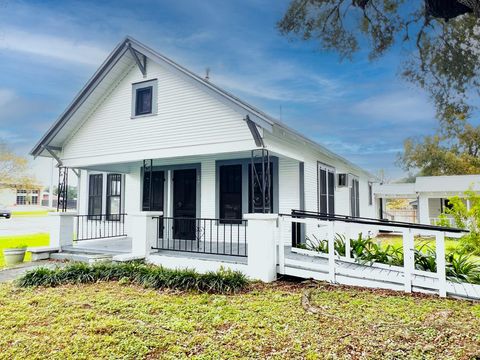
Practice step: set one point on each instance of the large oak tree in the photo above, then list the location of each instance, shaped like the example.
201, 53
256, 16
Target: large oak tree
441, 39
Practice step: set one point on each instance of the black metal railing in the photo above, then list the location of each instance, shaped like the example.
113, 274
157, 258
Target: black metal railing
202, 235
90, 227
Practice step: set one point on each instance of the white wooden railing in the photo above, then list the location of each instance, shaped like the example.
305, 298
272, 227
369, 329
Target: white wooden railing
438, 221
351, 230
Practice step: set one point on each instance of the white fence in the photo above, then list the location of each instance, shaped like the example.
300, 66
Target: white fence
343, 269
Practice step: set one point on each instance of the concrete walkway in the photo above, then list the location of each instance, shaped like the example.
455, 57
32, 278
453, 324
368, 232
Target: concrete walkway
12, 273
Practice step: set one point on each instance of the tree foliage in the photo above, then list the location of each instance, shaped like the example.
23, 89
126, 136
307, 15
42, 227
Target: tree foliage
441, 43
465, 217
14, 169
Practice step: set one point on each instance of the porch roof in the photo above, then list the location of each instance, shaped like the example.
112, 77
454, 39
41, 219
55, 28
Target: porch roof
429, 185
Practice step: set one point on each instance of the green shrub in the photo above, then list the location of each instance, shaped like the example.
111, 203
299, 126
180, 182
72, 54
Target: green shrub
223, 281
425, 258
466, 219
459, 267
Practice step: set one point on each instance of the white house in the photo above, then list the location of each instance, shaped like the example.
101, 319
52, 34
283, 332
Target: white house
180, 172
143, 115
430, 194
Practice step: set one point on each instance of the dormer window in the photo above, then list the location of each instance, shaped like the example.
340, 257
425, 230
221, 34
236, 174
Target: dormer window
143, 103
144, 98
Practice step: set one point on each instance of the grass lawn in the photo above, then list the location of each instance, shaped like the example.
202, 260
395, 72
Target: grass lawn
41, 239
109, 320
42, 212
397, 241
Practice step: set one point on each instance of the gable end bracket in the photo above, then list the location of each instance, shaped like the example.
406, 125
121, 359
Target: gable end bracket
253, 129
140, 59
51, 150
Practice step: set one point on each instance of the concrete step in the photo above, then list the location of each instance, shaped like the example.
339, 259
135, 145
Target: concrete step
88, 258
93, 249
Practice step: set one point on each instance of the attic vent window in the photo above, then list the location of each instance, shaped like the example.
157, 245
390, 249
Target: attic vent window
144, 98
143, 101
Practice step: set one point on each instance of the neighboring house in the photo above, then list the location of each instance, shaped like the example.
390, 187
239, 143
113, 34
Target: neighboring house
429, 194
17, 195
198, 140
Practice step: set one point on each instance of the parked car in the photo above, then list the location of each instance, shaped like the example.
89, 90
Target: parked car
4, 212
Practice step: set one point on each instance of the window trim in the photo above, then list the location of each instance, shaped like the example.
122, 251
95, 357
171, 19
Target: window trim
108, 196
354, 196
328, 169
89, 212
142, 85
370, 193
245, 183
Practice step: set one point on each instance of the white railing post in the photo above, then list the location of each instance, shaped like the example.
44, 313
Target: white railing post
281, 245
61, 229
348, 244
262, 246
331, 251
408, 259
144, 232
441, 271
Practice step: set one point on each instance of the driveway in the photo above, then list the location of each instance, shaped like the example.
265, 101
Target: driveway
24, 225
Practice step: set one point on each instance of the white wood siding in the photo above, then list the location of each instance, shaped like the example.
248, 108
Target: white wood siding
288, 190
187, 116
301, 151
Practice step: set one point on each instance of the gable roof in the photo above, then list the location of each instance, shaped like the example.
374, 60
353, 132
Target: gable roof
113, 62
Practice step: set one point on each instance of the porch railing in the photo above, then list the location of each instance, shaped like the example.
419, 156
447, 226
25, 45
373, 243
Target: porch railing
202, 235
320, 230
102, 226
440, 221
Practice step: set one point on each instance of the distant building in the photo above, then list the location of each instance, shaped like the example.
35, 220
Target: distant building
17, 195
428, 194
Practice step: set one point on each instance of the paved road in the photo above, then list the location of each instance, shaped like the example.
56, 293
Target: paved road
24, 225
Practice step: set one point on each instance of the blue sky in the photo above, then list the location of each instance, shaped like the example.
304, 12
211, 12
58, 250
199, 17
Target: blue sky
361, 110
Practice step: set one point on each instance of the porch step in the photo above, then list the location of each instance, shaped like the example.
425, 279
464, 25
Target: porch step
82, 250
88, 258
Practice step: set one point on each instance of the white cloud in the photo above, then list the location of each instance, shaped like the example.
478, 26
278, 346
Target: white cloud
285, 82
395, 107
55, 47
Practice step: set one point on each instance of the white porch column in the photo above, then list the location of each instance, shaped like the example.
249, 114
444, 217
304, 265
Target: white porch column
423, 210
262, 247
143, 230
61, 229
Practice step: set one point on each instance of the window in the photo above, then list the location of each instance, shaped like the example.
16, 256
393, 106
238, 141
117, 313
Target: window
234, 189
355, 197
446, 205
95, 187
230, 193
143, 103
370, 194
255, 205
326, 189
114, 196
158, 180
144, 98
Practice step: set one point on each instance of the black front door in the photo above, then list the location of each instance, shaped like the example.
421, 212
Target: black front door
184, 203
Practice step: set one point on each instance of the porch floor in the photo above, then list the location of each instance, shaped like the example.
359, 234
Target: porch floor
202, 256
120, 245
